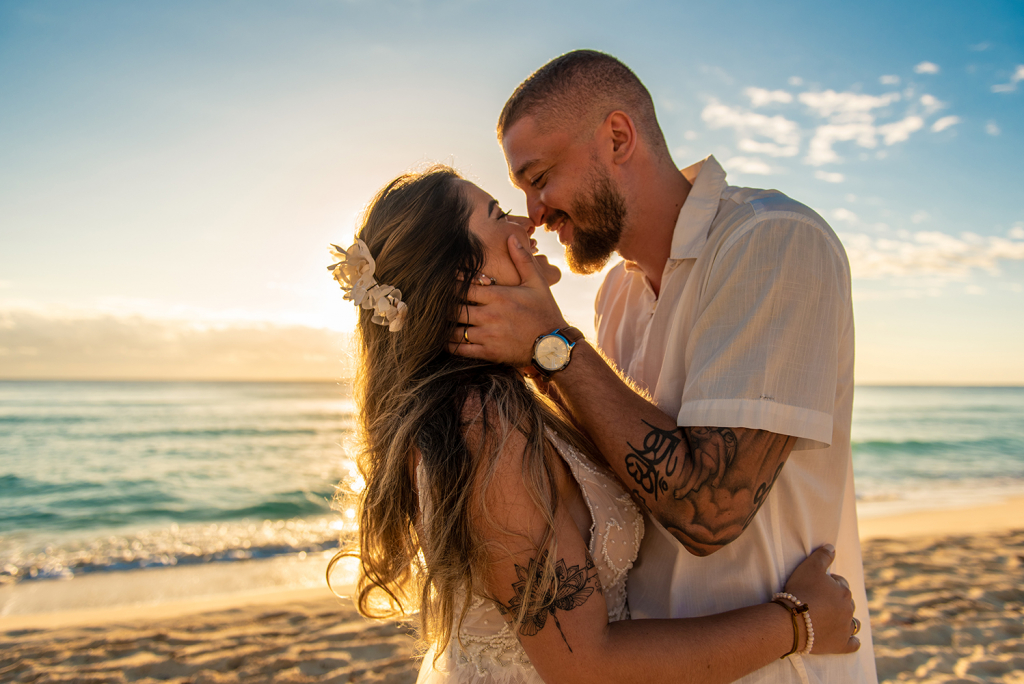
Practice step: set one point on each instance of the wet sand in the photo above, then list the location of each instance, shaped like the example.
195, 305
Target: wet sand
947, 605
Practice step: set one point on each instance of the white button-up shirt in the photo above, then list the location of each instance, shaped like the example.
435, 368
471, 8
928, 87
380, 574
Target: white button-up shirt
753, 328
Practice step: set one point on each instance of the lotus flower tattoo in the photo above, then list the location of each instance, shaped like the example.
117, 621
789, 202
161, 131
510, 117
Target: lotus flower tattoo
571, 588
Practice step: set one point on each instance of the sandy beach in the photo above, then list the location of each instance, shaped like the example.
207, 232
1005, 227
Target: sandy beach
946, 591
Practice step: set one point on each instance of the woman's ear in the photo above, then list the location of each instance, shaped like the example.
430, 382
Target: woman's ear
621, 133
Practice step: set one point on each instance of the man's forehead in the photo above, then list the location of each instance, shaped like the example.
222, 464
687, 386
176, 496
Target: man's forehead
527, 143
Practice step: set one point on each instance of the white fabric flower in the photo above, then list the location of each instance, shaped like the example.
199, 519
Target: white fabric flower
354, 271
399, 319
389, 309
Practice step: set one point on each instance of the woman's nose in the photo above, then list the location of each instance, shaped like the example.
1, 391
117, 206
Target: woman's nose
525, 222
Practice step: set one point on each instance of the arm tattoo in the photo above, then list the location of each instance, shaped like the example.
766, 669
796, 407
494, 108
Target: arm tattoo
761, 494
642, 463
653, 466
718, 493
713, 450
570, 588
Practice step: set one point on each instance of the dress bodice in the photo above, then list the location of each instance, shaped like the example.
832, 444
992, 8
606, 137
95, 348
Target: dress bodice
485, 649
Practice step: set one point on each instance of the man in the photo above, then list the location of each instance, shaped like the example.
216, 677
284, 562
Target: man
731, 321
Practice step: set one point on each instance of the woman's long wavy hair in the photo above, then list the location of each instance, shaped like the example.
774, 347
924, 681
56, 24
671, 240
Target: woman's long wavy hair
413, 395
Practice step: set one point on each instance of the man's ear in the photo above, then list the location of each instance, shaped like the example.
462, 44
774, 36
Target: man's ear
622, 135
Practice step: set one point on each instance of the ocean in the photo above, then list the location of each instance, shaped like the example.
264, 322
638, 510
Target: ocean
97, 477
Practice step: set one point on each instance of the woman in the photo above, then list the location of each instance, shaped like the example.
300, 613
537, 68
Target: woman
482, 510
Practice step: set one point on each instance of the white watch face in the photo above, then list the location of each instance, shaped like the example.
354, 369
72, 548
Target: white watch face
552, 353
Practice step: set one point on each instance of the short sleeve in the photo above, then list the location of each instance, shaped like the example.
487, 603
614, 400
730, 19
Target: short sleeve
764, 350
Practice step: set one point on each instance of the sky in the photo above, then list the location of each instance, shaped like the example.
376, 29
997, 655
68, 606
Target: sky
171, 173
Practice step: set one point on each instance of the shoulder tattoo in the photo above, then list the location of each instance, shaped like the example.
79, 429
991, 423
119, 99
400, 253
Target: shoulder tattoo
570, 588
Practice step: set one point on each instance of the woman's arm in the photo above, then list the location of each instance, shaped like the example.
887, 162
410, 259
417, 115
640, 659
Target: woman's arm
567, 635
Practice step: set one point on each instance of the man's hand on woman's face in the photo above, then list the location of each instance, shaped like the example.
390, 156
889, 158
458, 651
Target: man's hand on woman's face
500, 324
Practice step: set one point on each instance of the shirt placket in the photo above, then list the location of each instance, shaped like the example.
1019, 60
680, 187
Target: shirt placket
648, 305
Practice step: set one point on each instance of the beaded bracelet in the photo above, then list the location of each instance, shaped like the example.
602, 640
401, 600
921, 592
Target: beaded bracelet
800, 609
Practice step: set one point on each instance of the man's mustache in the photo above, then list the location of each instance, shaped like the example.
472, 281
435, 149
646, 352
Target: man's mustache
557, 217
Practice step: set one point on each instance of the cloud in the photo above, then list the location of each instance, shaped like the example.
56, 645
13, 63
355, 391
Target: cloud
900, 130
820, 150
829, 176
851, 118
844, 215
690, 135
980, 47
931, 104
829, 103
778, 129
945, 122
771, 149
889, 79
1017, 232
926, 68
929, 253
1017, 77
992, 128
920, 216
760, 97
796, 81
125, 348
749, 165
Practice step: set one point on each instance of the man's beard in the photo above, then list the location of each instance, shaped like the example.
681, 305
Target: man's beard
598, 222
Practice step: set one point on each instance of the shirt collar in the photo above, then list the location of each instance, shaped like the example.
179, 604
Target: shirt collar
699, 209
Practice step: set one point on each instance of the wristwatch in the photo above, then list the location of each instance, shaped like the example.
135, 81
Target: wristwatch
552, 351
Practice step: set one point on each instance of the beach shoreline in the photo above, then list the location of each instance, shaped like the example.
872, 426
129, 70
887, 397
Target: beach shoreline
946, 594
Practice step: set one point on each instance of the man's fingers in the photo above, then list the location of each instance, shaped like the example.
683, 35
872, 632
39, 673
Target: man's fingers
470, 351
825, 555
525, 263
461, 335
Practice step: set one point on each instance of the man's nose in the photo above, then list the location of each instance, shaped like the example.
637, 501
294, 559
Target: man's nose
536, 209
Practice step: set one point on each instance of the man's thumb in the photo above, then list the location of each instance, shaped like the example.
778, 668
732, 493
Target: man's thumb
524, 262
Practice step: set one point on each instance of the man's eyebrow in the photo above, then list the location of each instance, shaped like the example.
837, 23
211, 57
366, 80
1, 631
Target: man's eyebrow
523, 168
491, 206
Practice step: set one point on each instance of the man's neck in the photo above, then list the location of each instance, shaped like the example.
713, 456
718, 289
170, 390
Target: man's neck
658, 197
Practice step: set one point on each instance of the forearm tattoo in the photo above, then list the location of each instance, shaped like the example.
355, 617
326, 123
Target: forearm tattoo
659, 449
690, 480
656, 465
571, 588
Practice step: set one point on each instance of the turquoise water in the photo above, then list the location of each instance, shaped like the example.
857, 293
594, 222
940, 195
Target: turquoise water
97, 476
110, 475
936, 446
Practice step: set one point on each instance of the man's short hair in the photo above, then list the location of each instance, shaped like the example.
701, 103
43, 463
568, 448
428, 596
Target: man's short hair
583, 86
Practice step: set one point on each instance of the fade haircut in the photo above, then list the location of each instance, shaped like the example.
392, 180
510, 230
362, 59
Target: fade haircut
583, 87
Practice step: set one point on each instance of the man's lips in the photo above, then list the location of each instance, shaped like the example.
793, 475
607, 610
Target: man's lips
562, 227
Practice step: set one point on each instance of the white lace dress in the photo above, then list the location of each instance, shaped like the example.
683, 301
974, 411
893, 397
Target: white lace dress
489, 652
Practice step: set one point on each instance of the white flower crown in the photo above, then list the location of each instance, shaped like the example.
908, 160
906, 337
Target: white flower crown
354, 272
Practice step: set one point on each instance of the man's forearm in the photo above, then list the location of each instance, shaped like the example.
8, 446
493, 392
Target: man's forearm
703, 484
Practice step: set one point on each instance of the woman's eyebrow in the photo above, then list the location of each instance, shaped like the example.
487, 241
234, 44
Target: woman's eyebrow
491, 207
